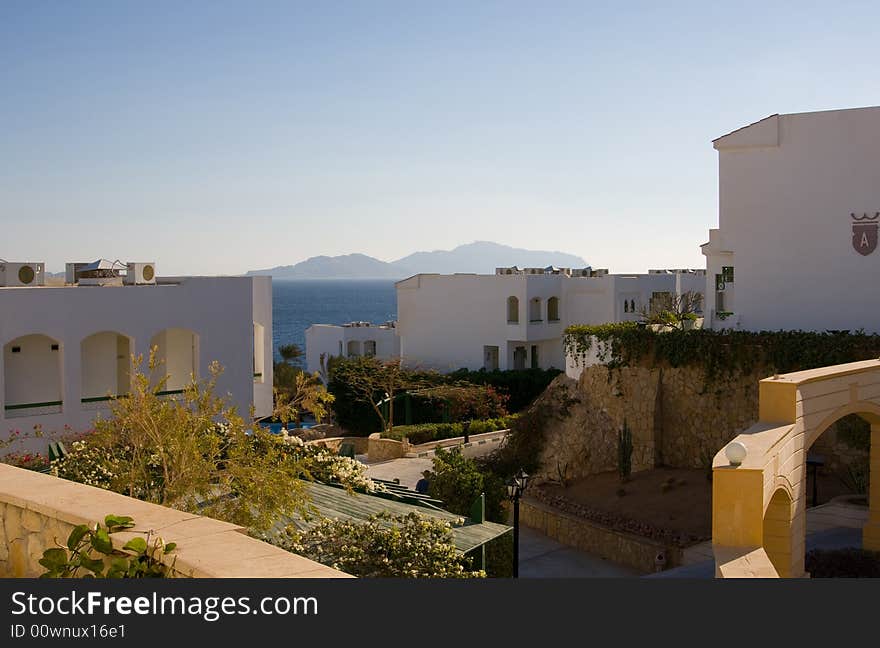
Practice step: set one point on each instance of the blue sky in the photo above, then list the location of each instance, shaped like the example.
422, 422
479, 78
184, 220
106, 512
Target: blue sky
217, 137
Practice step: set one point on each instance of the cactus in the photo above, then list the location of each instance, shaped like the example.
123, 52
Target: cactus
624, 452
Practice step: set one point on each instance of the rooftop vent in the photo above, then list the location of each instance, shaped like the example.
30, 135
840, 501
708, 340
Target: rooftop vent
22, 273
141, 273
98, 273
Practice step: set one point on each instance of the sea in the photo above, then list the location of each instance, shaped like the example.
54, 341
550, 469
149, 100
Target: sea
299, 303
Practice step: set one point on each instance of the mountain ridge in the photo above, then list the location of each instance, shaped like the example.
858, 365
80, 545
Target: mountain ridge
480, 257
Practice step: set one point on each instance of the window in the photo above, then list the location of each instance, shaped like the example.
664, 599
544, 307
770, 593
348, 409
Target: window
490, 358
534, 356
512, 310
632, 305
661, 301
625, 305
553, 309
727, 274
354, 348
370, 348
535, 310
719, 302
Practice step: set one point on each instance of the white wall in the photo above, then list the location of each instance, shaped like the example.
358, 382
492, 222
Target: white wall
221, 310
786, 193
446, 321
326, 339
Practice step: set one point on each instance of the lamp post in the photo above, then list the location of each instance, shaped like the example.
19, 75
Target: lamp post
515, 488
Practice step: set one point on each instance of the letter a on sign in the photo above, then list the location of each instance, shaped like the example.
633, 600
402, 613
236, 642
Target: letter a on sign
864, 237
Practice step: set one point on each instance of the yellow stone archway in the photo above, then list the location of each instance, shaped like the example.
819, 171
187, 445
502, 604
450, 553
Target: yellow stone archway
759, 506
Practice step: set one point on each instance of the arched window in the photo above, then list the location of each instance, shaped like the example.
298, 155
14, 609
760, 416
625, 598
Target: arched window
535, 310
353, 348
177, 350
105, 367
32, 365
512, 310
632, 305
553, 309
625, 305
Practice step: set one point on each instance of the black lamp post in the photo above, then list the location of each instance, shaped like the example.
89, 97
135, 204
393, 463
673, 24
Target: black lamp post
515, 488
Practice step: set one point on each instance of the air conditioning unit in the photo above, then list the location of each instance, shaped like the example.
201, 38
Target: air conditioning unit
27, 273
140, 273
581, 272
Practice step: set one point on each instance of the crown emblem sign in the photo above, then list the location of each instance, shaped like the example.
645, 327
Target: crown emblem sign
864, 232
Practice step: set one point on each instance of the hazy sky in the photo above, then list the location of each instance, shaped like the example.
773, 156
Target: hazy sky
216, 137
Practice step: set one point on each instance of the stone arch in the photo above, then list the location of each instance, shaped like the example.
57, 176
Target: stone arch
759, 504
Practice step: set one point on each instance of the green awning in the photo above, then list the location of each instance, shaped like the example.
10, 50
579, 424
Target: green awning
337, 503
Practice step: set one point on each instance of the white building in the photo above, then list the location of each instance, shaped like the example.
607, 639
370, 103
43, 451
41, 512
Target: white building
515, 319
353, 339
67, 347
799, 208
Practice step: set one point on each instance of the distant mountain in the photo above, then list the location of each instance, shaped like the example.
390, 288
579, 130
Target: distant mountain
347, 266
481, 257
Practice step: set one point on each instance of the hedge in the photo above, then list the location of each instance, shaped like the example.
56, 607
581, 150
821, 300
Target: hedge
425, 432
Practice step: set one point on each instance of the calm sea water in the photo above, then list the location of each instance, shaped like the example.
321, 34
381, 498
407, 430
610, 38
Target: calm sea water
299, 303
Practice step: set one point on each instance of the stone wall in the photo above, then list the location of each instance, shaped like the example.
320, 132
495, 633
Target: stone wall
39, 511
677, 416
623, 548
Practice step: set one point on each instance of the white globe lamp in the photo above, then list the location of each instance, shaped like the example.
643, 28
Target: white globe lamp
735, 452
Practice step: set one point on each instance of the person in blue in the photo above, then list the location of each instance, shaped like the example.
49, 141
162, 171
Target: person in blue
422, 484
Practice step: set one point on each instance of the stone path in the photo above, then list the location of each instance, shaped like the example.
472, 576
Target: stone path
834, 525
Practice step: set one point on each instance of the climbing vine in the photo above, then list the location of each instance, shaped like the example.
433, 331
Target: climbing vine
719, 352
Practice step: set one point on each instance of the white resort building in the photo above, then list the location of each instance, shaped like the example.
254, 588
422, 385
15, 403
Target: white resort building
67, 345
350, 340
799, 208
515, 319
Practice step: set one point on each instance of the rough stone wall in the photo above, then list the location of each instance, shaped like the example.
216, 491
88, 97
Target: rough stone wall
24, 536
677, 418
582, 438
700, 416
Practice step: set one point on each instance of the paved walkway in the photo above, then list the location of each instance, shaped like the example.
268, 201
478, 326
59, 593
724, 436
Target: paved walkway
835, 525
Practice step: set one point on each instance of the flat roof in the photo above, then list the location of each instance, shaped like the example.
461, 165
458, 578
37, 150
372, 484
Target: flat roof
335, 502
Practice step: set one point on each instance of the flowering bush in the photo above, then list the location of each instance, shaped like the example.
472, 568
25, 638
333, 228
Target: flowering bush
405, 546
319, 464
27, 460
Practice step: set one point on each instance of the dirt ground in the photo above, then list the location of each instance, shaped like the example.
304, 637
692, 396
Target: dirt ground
675, 499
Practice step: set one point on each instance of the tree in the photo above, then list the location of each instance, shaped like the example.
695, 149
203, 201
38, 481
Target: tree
291, 353
671, 309
193, 452
376, 383
306, 394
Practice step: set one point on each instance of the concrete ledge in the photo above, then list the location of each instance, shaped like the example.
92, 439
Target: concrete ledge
39, 511
427, 449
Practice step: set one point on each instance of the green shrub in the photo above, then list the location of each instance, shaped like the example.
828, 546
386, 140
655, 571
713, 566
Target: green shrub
727, 351
89, 551
426, 432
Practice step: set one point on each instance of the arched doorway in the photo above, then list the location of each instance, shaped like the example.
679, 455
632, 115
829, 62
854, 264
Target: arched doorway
759, 492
